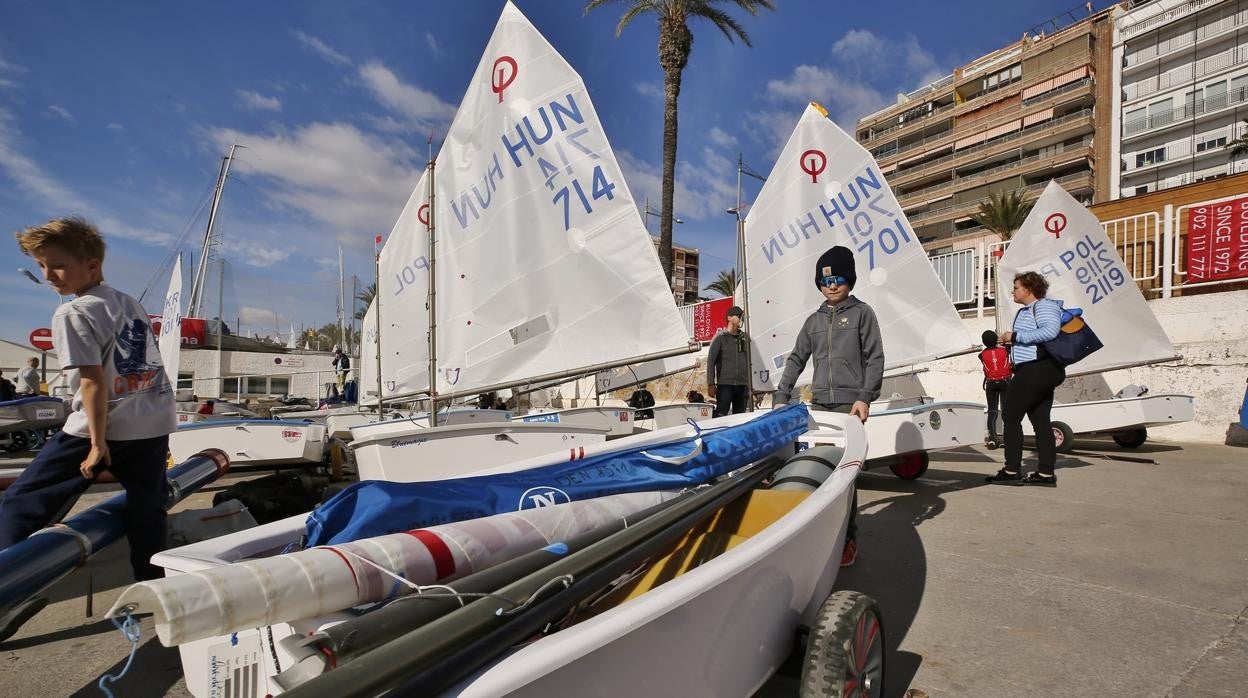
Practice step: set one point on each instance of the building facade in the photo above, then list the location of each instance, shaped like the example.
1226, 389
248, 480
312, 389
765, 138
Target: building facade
1181, 92
684, 272
1013, 119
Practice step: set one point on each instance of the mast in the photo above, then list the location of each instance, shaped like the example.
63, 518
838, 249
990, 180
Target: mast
342, 304
195, 307
221, 327
433, 305
745, 278
377, 318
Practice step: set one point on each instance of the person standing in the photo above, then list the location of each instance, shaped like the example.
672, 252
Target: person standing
642, 400
7, 390
1036, 376
342, 365
727, 366
28, 378
843, 337
997, 372
122, 407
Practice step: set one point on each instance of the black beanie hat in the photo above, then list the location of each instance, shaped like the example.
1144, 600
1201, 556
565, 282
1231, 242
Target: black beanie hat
989, 338
838, 261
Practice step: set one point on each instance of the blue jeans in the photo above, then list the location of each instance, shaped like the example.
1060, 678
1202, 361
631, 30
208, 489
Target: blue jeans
50, 485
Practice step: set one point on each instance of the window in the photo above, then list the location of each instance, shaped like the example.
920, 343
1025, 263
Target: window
1141, 190
1215, 95
279, 386
1137, 120
257, 385
1161, 113
1193, 103
1239, 88
1150, 157
1211, 144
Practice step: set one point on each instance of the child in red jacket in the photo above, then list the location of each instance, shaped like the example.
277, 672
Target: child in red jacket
997, 372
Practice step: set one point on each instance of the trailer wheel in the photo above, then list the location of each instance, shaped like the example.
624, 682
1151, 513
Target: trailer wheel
910, 466
1132, 438
845, 651
1063, 437
19, 441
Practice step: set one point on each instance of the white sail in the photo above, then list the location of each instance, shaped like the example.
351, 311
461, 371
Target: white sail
170, 341
543, 263
1065, 242
291, 343
827, 190
628, 376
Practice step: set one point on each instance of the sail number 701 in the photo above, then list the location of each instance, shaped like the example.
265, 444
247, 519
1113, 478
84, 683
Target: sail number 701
599, 188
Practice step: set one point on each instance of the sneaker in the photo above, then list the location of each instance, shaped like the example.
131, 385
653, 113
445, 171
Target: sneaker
992, 444
1004, 477
849, 555
1036, 479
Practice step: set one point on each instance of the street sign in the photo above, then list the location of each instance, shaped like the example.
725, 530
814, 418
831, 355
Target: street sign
41, 339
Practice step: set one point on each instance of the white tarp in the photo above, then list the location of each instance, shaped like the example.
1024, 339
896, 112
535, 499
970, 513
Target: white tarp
1065, 242
170, 341
309, 583
543, 263
827, 190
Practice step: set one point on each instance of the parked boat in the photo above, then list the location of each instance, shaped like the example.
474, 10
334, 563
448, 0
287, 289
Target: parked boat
618, 421
1065, 241
23, 421
252, 442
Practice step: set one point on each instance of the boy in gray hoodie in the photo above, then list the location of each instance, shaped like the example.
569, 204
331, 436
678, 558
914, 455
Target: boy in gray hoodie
843, 336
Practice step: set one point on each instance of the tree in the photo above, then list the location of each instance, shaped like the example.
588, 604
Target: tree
725, 284
1239, 146
1004, 212
365, 297
675, 44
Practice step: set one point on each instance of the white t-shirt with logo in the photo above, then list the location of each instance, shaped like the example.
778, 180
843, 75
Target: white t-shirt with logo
105, 327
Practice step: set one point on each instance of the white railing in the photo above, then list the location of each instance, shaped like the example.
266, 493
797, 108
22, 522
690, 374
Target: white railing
956, 271
1164, 17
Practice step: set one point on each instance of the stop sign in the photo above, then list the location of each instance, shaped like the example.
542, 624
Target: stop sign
41, 339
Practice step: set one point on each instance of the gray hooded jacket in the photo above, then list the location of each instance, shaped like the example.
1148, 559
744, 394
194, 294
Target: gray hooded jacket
849, 355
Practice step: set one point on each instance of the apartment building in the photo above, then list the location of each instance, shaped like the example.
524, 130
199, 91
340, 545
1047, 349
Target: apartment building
1013, 119
1181, 92
684, 272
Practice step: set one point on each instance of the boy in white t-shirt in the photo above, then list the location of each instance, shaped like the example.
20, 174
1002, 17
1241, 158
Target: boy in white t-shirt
123, 409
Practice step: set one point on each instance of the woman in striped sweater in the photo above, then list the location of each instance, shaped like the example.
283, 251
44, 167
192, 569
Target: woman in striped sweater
1036, 376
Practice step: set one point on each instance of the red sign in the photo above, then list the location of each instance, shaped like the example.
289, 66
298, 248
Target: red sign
41, 339
194, 330
1217, 241
710, 317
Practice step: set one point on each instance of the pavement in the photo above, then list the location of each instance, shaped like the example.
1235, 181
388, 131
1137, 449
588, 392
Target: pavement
1128, 579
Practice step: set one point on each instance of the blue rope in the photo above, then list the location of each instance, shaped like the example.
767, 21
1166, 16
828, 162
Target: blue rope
129, 628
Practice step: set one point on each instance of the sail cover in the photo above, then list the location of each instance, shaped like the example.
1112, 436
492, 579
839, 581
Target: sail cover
542, 261
827, 190
1065, 242
308, 583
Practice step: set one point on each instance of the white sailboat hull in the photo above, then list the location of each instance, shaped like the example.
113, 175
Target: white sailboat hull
666, 416
340, 425
1122, 414
32, 413
618, 421
720, 629
252, 442
400, 451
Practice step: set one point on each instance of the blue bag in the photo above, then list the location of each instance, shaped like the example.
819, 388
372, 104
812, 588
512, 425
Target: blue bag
1075, 340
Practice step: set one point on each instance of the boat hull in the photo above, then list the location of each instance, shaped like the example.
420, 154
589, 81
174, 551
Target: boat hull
32, 413
618, 421
252, 442
1122, 414
674, 415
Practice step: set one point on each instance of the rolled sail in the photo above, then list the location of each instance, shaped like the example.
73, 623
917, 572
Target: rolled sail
313, 582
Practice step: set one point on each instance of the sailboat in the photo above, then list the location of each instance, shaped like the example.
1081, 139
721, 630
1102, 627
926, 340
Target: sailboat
1066, 243
824, 190
524, 243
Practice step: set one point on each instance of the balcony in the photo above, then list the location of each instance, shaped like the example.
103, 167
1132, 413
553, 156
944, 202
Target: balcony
1166, 17
1183, 116
1147, 54
1071, 183
996, 146
1058, 155
1183, 76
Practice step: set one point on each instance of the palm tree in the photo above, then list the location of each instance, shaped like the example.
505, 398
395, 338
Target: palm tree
1239, 146
365, 297
675, 44
725, 285
1004, 212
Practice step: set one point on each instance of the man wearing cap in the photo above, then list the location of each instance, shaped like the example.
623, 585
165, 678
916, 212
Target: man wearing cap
727, 367
843, 336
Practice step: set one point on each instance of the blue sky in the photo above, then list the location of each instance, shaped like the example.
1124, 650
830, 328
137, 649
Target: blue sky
121, 111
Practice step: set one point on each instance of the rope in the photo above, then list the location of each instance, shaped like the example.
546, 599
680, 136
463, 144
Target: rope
420, 589
681, 460
129, 628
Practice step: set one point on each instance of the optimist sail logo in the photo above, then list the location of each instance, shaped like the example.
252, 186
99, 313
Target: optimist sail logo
504, 73
813, 162
539, 497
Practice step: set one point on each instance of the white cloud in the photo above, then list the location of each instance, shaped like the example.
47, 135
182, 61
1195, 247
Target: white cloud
6, 83
722, 138
114, 126
321, 48
34, 179
434, 47
254, 253
255, 101
335, 173
704, 186
423, 108
262, 317
61, 112
649, 89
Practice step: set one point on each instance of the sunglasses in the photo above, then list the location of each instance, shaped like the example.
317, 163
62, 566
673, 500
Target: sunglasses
831, 281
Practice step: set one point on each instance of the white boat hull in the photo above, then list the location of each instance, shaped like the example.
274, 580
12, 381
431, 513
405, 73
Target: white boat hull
1122, 414
618, 421
252, 442
666, 416
32, 413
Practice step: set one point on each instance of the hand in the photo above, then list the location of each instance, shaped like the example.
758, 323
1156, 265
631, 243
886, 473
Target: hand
1007, 337
97, 455
860, 410
710, 390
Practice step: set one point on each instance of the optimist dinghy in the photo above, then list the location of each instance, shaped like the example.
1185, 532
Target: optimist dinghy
23, 421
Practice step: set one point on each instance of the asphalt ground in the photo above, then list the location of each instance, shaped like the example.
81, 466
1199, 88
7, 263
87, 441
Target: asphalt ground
1128, 579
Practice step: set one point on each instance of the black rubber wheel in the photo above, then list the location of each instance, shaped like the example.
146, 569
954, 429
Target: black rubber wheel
36, 439
19, 441
909, 466
1133, 438
845, 651
1063, 437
